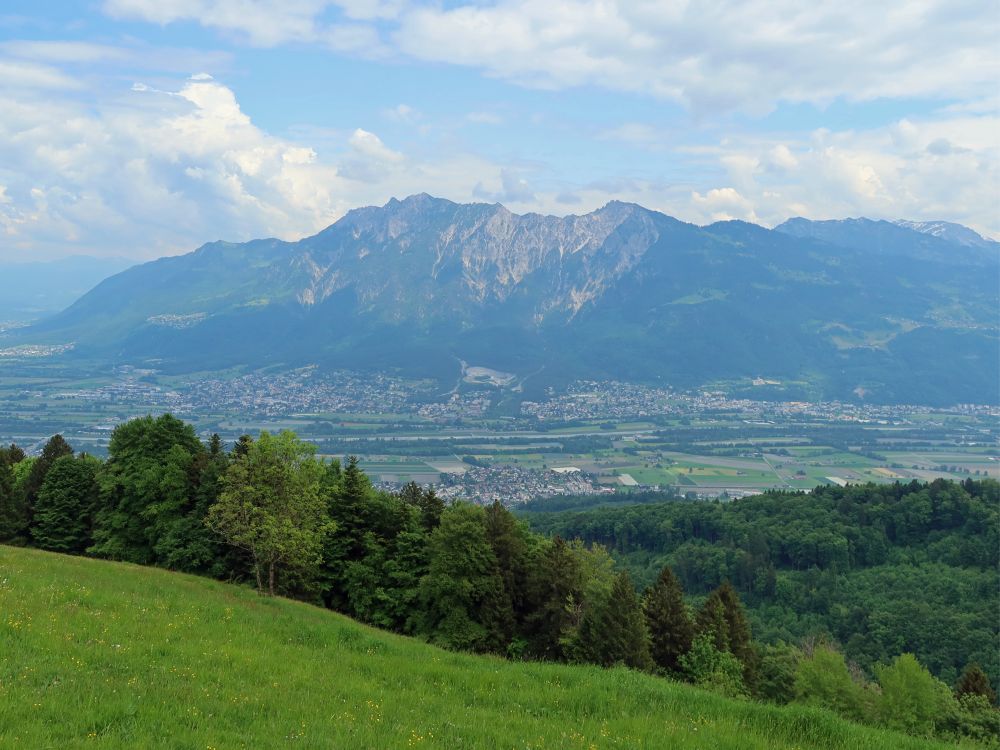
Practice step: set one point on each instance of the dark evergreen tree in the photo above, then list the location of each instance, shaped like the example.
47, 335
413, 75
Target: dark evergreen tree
215, 447
507, 538
183, 541
613, 631
722, 617
711, 622
13, 518
975, 682
670, 628
65, 506
242, 446
13, 454
430, 505
737, 626
431, 508
56, 447
555, 588
348, 494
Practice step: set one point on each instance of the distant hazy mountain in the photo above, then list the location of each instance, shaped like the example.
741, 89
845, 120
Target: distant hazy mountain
847, 309
936, 240
946, 230
33, 290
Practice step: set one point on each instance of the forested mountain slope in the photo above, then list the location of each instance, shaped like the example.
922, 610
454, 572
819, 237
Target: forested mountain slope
878, 568
848, 311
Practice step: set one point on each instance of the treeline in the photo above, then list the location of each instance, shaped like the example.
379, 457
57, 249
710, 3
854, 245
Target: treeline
878, 568
461, 576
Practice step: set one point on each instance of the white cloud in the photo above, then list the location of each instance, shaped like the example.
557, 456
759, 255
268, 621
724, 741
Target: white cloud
262, 23
945, 168
61, 51
370, 145
712, 56
151, 172
723, 204
402, 113
267, 23
746, 54
27, 75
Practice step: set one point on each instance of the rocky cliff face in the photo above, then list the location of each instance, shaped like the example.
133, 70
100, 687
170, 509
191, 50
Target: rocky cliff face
901, 312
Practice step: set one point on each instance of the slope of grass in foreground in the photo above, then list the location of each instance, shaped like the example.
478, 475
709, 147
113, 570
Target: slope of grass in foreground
98, 654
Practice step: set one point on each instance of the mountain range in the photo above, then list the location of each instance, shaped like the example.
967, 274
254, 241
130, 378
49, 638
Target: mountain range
886, 311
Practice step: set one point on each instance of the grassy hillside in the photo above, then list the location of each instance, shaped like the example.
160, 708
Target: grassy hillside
102, 655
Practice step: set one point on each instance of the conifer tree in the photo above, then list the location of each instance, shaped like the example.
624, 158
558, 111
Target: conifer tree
349, 494
722, 617
711, 622
555, 585
215, 445
430, 505
65, 506
431, 508
242, 446
13, 454
737, 626
670, 628
613, 631
13, 519
975, 682
54, 448
507, 538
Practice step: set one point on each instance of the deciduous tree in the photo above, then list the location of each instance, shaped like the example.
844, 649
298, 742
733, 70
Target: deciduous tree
271, 507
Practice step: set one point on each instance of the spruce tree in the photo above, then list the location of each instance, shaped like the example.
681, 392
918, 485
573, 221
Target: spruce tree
722, 617
613, 631
555, 585
507, 539
13, 519
711, 622
56, 447
65, 506
13, 454
670, 628
975, 682
431, 508
737, 626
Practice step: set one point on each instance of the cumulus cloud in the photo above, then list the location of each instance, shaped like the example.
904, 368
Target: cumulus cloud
945, 167
513, 189
153, 171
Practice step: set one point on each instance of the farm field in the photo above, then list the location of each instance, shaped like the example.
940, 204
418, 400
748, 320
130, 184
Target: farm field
108, 655
707, 451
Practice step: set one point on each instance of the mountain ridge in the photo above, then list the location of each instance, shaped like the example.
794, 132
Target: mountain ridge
620, 292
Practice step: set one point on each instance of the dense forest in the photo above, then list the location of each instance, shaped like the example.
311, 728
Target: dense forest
857, 569
879, 569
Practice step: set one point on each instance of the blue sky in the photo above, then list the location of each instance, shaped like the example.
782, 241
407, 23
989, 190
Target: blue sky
147, 127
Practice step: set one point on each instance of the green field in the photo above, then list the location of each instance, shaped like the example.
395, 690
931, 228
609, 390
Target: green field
105, 655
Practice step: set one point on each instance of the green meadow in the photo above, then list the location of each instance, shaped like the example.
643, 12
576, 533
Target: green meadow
104, 655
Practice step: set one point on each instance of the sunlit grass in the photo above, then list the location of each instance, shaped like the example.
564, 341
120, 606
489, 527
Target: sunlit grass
105, 655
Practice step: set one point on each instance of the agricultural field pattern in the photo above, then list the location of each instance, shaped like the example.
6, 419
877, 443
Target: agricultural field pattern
483, 440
